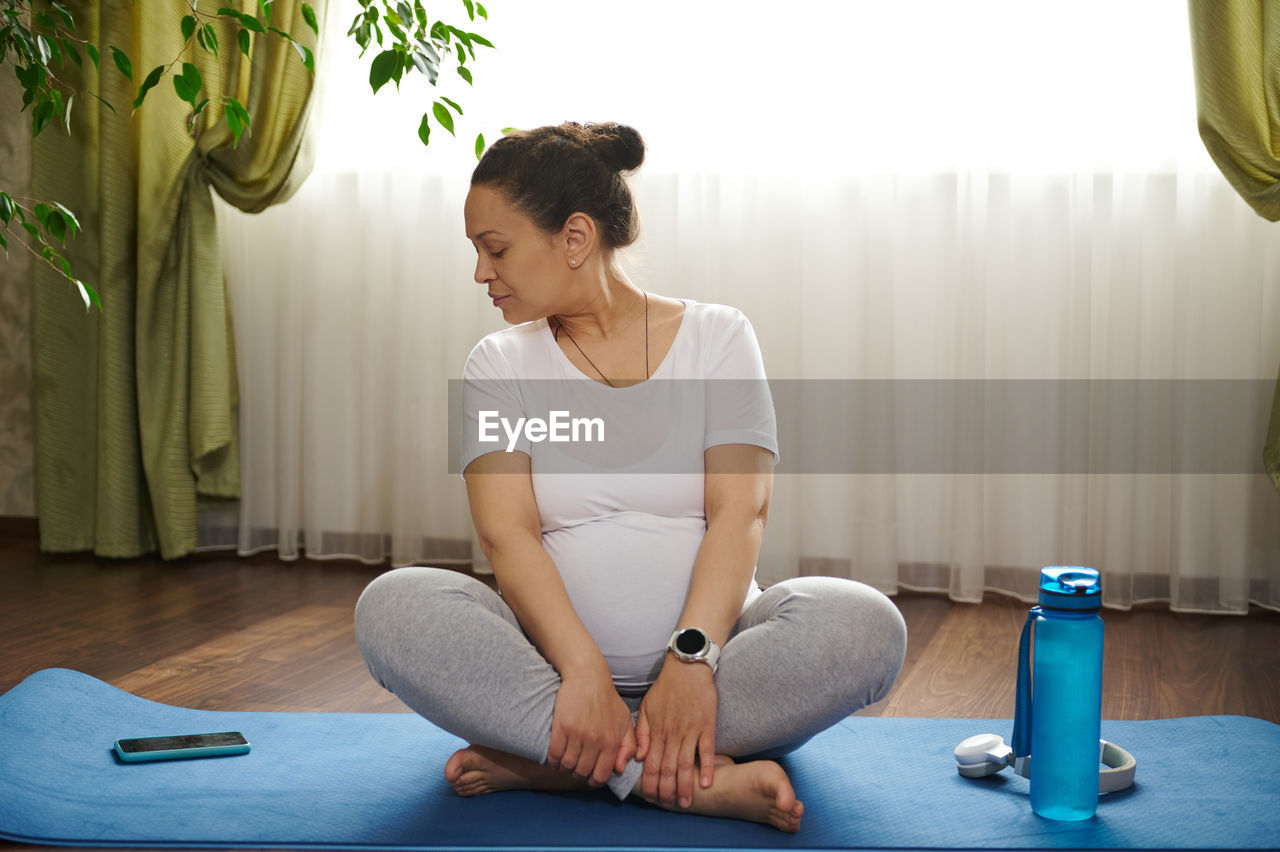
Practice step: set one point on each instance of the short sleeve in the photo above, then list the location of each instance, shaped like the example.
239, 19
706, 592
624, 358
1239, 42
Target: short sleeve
739, 403
491, 397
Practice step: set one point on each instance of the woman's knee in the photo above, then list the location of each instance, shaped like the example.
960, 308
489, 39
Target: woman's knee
410, 605
861, 631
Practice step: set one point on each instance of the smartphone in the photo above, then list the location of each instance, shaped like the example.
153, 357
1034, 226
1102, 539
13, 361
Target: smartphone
182, 746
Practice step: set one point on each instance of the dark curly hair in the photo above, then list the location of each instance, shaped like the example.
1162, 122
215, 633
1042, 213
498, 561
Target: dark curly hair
550, 173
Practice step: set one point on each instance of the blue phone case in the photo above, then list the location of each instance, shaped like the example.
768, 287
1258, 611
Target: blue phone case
181, 747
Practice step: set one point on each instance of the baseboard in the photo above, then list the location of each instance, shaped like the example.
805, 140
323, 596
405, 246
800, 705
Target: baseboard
15, 526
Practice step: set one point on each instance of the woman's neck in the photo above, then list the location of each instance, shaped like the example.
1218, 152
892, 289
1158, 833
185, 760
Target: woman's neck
615, 305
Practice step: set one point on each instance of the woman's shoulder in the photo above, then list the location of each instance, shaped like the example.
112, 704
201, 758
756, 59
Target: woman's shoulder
496, 350
712, 320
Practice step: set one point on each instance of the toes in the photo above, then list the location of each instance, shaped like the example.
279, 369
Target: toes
472, 784
454, 766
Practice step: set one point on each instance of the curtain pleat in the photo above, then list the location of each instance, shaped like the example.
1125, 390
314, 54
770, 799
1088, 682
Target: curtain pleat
137, 407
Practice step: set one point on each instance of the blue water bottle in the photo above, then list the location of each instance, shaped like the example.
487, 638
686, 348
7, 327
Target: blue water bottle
1066, 694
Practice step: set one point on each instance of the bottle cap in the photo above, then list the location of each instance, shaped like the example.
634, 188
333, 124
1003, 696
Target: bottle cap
1070, 587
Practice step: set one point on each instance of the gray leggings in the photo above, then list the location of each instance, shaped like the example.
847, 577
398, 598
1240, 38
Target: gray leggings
806, 653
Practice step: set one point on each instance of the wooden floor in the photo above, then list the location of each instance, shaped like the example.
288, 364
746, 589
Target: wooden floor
223, 633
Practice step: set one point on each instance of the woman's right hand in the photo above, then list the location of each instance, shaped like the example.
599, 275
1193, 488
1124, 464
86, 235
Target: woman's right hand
592, 735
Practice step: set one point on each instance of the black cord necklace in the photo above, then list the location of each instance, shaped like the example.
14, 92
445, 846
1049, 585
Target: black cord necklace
560, 325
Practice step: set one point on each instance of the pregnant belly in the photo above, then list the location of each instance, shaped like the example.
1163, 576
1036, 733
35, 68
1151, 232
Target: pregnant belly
627, 576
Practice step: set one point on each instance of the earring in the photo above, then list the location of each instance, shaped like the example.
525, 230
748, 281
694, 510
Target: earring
573, 261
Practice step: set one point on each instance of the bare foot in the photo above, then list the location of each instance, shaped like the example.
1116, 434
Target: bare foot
476, 770
757, 792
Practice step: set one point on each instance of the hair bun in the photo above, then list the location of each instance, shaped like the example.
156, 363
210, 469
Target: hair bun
619, 145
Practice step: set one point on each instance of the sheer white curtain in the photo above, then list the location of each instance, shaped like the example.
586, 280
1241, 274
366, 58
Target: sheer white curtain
971, 193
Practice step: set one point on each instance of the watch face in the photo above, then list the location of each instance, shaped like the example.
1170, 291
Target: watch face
691, 641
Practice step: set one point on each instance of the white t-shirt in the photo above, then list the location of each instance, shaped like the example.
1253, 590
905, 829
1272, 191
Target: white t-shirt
618, 472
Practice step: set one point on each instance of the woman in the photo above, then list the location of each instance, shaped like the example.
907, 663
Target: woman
630, 645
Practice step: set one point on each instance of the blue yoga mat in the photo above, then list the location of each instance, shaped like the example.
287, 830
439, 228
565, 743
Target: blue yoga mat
334, 780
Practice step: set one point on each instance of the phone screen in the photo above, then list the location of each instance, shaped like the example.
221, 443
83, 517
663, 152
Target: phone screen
185, 741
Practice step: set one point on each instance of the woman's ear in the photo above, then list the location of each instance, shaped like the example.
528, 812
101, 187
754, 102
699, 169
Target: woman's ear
579, 239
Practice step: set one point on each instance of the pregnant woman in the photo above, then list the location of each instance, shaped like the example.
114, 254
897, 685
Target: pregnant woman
629, 645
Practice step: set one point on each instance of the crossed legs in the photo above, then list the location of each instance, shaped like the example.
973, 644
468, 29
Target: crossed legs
805, 654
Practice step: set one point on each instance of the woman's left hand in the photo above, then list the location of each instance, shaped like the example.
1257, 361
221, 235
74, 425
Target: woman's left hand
676, 728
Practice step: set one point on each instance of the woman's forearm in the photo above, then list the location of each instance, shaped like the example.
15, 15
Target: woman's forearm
722, 575
739, 483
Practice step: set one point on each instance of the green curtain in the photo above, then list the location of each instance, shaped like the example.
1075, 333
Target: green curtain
136, 406
1235, 49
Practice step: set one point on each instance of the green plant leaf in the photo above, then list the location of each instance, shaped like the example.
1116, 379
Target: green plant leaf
188, 27
4, 244
471, 9
105, 103
234, 123
424, 129
430, 50
122, 61
481, 11
452, 103
383, 67
31, 77
72, 221
31, 229
423, 64
210, 39
45, 49
6, 207
57, 226
65, 14
42, 211
41, 116
93, 55
464, 73
309, 15
442, 114
507, 131
244, 39
84, 294
149, 84
69, 49
480, 40
479, 145
308, 59
66, 115
188, 84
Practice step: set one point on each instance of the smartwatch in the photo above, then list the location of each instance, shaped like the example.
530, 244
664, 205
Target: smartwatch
693, 645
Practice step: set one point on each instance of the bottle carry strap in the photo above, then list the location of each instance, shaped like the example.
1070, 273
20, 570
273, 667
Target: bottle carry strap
1022, 707
986, 754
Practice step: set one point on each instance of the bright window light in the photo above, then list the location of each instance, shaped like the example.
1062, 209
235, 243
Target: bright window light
842, 86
